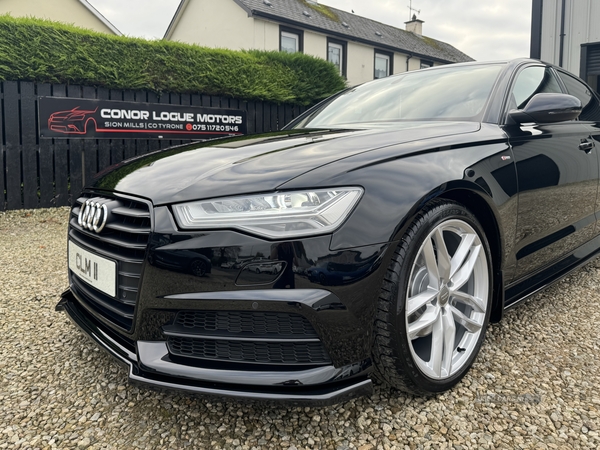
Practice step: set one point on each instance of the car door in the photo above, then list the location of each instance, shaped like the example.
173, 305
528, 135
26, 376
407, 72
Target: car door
557, 174
590, 117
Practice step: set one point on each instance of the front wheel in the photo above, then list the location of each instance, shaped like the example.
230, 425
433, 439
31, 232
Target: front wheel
435, 301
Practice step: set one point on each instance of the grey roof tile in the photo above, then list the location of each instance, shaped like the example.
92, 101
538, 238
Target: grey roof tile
360, 28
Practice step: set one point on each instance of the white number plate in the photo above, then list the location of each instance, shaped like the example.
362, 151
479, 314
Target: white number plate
95, 270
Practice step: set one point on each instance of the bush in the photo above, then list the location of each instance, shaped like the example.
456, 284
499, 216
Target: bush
51, 52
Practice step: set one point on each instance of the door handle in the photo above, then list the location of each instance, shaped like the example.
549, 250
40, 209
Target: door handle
586, 146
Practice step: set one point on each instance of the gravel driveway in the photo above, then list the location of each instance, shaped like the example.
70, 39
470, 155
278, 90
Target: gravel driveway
534, 385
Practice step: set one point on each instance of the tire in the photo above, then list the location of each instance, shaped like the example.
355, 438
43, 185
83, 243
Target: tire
198, 268
426, 345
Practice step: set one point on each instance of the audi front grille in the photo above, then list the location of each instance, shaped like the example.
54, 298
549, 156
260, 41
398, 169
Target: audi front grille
122, 238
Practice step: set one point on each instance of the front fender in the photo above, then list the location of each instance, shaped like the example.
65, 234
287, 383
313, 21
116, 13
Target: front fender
396, 187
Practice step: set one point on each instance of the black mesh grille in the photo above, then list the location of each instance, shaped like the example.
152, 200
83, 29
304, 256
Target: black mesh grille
246, 336
257, 323
123, 240
250, 352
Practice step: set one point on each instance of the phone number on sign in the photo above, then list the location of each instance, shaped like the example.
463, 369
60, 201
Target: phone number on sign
198, 127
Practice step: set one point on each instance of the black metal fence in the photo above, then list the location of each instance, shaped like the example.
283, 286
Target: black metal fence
40, 173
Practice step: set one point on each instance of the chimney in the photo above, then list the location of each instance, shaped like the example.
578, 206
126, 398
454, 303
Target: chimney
415, 25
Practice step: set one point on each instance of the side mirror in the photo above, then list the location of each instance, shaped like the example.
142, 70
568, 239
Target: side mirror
548, 108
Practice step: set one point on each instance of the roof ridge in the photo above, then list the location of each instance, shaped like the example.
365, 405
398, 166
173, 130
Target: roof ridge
365, 30
101, 17
367, 18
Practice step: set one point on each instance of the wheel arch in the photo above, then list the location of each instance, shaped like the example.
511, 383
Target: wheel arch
481, 207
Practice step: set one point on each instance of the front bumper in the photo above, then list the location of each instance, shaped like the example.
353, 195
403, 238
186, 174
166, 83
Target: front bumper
148, 363
227, 314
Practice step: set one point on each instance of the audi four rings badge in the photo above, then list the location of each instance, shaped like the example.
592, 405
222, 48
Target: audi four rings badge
93, 215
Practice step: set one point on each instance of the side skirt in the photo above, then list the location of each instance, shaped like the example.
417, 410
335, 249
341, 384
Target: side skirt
521, 290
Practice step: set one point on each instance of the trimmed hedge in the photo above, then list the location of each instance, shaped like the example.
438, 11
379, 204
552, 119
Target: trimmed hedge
51, 52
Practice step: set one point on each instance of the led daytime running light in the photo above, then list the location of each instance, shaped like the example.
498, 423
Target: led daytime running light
279, 215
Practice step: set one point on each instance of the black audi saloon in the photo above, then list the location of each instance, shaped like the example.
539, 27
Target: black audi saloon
376, 235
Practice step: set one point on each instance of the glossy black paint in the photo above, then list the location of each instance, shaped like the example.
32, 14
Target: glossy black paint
341, 324
533, 187
548, 108
558, 185
231, 166
160, 373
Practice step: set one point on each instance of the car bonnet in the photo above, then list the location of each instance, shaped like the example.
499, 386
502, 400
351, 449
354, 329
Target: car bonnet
255, 163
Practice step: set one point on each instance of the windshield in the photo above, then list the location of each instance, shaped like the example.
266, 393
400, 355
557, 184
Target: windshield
448, 93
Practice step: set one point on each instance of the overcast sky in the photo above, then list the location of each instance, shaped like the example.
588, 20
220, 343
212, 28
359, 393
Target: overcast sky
484, 30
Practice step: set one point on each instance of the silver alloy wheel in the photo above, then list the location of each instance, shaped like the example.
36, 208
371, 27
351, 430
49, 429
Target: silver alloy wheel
447, 299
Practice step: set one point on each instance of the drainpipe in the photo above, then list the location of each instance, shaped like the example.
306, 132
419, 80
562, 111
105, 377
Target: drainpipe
408, 58
562, 34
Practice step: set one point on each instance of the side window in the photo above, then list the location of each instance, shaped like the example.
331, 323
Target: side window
290, 40
589, 102
383, 64
531, 81
336, 54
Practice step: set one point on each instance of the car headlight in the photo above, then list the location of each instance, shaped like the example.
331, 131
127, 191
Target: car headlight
275, 215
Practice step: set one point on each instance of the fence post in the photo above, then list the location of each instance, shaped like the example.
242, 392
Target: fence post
2, 165
29, 137
46, 160
12, 130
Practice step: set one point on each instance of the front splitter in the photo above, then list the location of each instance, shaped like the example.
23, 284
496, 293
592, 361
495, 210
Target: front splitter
320, 395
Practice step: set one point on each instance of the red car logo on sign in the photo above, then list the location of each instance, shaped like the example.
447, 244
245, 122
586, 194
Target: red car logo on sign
75, 121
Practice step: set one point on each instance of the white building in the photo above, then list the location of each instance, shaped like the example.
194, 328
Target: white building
567, 33
75, 12
361, 48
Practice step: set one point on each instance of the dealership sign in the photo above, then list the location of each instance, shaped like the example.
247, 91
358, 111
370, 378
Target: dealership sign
94, 119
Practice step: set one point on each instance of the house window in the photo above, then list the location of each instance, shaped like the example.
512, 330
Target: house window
336, 54
290, 40
383, 64
426, 64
